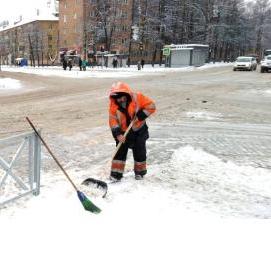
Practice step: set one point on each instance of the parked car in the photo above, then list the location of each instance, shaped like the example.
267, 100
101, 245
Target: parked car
266, 64
245, 63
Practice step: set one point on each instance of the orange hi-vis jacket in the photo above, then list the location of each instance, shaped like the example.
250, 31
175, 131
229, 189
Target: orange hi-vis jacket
117, 119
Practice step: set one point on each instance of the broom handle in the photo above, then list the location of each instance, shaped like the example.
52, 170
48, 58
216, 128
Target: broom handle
125, 134
51, 153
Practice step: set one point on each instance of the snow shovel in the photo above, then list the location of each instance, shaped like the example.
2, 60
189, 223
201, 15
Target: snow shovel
87, 204
103, 184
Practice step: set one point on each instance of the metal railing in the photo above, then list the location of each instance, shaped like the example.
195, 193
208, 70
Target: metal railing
19, 172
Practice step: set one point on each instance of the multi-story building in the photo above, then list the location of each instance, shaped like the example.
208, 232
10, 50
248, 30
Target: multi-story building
87, 27
35, 40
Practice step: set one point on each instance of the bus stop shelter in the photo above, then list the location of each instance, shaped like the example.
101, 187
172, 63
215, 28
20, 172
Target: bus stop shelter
181, 55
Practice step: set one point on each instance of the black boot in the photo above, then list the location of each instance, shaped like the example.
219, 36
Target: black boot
139, 175
115, 176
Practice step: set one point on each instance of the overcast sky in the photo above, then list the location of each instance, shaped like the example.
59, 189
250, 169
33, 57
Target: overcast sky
12, 9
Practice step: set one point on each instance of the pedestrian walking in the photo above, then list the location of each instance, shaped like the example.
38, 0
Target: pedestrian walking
80, 64
125, 106
138, 65
84, 64
70, 64
64, 64
115, 63
142, 63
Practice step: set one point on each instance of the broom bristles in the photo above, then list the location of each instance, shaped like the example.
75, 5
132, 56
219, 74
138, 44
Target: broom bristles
87, 204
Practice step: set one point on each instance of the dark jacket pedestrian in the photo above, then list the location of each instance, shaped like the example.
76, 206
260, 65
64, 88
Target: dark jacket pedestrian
115, 63
64, 64
142, 63
124, 106
80, 64
138, 65
70, 64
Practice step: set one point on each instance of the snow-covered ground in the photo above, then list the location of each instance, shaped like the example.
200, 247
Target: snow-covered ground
180, 203
191, 201
99, 72
9, 84
204, 115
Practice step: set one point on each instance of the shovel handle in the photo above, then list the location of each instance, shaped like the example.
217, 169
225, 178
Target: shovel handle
125, 134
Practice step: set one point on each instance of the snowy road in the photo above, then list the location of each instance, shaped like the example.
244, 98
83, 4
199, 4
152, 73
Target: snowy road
244, 144
208, 159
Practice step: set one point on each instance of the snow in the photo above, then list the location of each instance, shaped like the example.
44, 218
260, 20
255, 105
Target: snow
155, 216
99, 72
9, 84
204, 115
43, 17
191, 203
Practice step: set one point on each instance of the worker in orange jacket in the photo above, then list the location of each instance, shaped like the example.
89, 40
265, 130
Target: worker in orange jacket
126, 105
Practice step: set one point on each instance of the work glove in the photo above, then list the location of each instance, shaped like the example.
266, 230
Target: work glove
141, 115
116, 132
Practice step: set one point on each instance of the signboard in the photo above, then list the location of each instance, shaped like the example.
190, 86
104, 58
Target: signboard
166, 51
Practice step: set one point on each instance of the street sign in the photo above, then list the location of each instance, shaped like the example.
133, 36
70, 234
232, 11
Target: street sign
166, 51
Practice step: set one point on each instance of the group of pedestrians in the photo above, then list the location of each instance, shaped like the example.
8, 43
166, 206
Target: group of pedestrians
82, 64
69, 64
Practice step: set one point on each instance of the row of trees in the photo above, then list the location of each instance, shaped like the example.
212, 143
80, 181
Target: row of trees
230, 27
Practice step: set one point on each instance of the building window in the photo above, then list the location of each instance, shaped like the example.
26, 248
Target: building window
92, 14
65, 18
75, 16
50, 37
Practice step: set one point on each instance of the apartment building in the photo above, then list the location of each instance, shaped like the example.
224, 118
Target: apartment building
87, 27
35, 40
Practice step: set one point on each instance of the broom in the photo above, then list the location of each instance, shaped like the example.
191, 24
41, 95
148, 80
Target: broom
87, 204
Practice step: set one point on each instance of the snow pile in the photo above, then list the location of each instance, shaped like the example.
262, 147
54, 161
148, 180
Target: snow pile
204, 115
176, 206
222, 187
9, 84
99, 72
216, 64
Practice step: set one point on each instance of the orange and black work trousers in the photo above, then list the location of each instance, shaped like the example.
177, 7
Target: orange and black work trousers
136, 142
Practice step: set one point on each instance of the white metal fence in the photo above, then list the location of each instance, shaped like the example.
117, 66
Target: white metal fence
20, 160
